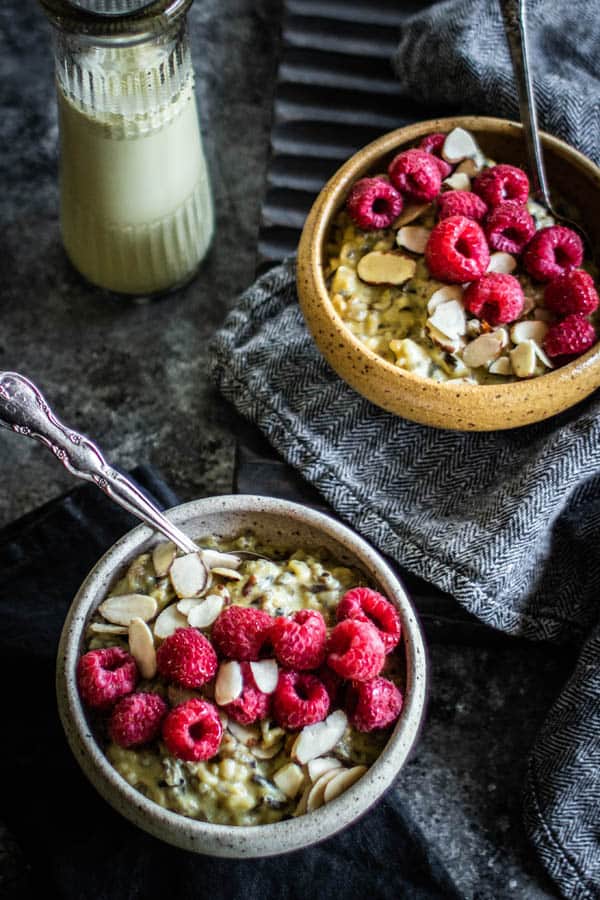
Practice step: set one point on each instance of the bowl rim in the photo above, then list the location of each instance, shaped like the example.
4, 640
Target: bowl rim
360, 163
240, 840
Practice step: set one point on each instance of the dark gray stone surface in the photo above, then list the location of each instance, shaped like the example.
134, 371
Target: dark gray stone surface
133, 375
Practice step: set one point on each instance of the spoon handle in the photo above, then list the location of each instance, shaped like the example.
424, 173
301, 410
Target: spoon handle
515, 26
24, 409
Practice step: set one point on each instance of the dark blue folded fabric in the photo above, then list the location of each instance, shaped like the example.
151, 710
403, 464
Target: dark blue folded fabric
76, 846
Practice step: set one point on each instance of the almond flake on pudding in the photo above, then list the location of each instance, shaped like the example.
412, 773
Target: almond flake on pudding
225, 572
266, 674
468, 167
320, 765
341, 782
410, 212
413, 238
141, 647
386, 267
121, 609
460, 144
105, 628
458, 181
483, 350
267, 752
188, 575
502, 334
204, 612
168, 622
250, 737
450, 319
523, 358
503, 263
442, 295
450, 345
316, 796
541, 355
162, 557
315, 740
212, 558
229, 683
501, 366
529, 330
289, 779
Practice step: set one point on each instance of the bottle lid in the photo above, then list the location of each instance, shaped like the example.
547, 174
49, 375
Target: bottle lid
115, 20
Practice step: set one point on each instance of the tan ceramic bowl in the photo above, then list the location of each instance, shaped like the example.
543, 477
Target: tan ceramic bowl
447, 405
281, 522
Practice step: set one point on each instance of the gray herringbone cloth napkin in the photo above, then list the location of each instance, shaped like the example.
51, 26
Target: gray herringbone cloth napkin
509, 523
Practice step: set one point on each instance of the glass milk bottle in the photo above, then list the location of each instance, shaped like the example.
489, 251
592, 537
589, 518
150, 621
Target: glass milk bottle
135, 202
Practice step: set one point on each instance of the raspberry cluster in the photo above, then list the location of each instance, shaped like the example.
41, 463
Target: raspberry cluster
492, 216
317, 672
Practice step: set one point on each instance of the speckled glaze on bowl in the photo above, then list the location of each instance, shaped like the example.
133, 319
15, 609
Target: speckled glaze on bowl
272, 520
465, 407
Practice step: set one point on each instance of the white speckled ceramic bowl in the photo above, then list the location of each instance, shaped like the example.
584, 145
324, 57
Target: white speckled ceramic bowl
272, 520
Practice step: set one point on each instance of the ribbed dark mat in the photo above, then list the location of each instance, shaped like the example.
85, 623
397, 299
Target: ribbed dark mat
336, 91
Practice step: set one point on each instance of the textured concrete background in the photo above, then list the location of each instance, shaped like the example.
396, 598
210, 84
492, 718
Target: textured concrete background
133, 376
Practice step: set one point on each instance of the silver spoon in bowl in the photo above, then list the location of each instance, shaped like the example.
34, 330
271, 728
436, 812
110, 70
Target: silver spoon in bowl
24, 410
515, 25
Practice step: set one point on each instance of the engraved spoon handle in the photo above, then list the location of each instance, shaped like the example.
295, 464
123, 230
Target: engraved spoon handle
24, 409
515, 26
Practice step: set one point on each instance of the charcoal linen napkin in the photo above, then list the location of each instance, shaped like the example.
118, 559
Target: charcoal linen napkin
506, 522
75, 844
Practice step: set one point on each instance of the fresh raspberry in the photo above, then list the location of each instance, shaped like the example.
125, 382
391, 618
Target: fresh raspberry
461, 203
509, 227
569, 338
573, 292
495, 298
552, 251
299, 642
187, 658
103, 676
457, 250
503, 182
355, 650
300, 699
252, 704
368, 605
193, 730
332, 683
416, 174
241, 632
373, 203
136, 719
373, 704
433, 144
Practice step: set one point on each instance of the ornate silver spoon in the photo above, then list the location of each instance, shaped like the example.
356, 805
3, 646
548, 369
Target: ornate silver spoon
515, 26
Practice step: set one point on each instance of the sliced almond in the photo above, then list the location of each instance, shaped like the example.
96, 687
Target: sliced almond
482, 350
502, 334
442, 295
224, 572
501, 366
529, 330
315, 740
189, 575
204, 613
229, 683
162, 557
473, 328
458, 181
301, 808
502, 262
522, 359
411, 212
460, 144
168, 622
320, 765
468, 167
186, 606
450, 345
141, 647
542, 356
317, 792
386, 267
248, 736
289, 779
122, 609
413, 238
212, 558
449, 318
105, 628
266, 674
341, 782
261, 752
